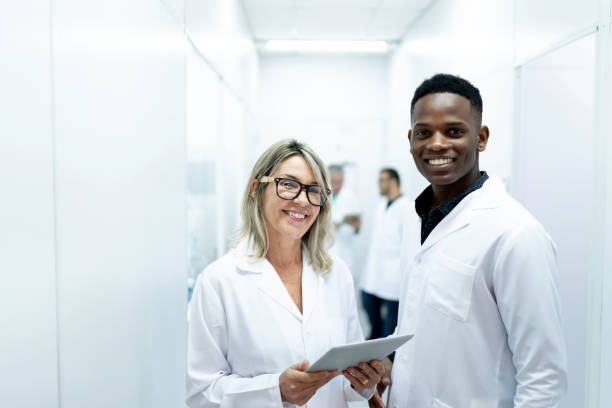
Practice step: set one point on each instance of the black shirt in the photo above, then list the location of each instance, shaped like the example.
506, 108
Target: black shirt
423, 203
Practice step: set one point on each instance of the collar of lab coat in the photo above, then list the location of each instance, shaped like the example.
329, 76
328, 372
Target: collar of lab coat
490, 195
268, 281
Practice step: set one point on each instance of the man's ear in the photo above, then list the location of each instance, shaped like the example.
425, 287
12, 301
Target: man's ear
409, 135
483, 138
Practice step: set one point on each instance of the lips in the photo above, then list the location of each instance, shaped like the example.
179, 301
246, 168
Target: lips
297, 216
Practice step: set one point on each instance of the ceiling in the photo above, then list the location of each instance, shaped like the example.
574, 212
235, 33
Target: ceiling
332, 19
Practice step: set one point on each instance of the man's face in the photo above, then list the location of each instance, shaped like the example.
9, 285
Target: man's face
336, 179
384, 181
445, 138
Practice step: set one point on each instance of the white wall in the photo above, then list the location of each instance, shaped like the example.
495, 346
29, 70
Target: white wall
220, 31
119, 110
538, 33
599, 362
28, 356
99, 127
546, 24
222, 67
203, 128
336, 104
555, 178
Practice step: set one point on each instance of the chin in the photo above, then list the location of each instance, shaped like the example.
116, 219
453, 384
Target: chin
295, 235
441, 181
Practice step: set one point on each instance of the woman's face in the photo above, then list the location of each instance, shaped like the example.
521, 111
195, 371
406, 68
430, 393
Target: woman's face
289, 219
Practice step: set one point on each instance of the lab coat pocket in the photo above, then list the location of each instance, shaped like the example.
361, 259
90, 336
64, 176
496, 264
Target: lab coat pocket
449, 289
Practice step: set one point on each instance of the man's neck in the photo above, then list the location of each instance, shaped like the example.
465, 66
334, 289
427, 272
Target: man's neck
393, 195
443, 193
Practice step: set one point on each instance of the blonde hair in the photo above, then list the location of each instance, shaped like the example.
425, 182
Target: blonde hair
319, 238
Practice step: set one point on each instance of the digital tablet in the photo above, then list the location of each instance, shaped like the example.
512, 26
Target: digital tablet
349, 355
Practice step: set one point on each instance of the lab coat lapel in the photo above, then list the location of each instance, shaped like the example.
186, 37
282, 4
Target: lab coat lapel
454, 221
271, 284
490, 195
266, 279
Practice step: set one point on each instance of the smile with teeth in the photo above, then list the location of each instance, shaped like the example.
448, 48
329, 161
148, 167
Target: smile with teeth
439, 162
296, 215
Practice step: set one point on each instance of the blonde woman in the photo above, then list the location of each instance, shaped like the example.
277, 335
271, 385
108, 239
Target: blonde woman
277, 301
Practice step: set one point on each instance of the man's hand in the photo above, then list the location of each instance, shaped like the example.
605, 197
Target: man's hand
298, 386
376, 401
365, 375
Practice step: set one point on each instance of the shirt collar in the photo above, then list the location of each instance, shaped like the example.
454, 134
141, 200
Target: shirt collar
424, 200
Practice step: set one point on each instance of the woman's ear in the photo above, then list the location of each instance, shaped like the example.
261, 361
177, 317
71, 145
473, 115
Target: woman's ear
253, 187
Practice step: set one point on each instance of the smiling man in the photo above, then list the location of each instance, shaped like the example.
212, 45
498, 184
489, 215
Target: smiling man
481, 295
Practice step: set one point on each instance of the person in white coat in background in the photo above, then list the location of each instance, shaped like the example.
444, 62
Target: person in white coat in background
381, 279
277, 301
481, 295
346, 216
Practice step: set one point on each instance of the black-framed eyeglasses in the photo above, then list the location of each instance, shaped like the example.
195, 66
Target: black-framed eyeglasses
289, 189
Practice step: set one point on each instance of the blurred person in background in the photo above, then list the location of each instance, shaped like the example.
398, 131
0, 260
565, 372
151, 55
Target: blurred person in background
277, 300
346, 216
381, 279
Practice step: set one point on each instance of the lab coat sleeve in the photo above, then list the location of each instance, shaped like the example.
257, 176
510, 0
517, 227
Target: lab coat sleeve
525, 286
210, 382
354, 333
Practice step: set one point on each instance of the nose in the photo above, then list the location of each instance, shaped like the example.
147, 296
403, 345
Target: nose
438, 142
302, 197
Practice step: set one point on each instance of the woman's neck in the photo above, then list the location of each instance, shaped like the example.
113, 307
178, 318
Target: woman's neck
284, 254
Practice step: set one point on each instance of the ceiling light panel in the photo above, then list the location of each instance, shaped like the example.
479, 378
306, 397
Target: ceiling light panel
328, 46
336, 3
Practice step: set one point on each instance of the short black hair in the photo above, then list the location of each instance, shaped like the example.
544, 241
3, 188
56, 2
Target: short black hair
446, 83
393, 174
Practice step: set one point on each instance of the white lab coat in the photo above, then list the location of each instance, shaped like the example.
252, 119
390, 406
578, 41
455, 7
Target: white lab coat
481, 297
245, 330
345, 203
382, 275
